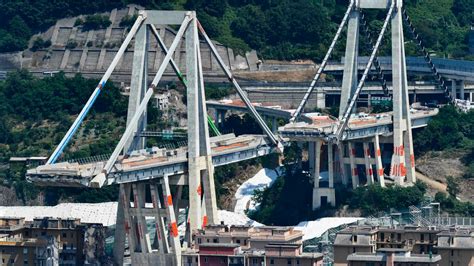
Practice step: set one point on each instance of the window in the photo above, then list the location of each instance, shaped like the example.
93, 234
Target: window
452, 252
422, 239
12, 260
25, 250
354, 238
64, 235
238, 241
272, 261
207, 240
25, 262
353, 250
190, 260
297, 262
215, 240
382, 236
199, 240
43, 233
205, 259
289, 262
245, 242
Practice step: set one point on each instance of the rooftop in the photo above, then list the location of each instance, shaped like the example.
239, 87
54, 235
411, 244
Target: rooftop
407, 257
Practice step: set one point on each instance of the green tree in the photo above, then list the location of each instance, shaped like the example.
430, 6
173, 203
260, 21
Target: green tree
452, 186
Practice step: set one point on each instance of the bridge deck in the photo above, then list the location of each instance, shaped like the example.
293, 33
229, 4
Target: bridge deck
360, 126
150, 163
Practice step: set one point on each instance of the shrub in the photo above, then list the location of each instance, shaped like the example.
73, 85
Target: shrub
71, 44
95, 22
39, 43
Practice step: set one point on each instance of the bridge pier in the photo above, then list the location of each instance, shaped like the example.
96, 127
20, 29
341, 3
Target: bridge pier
368, 164
378, 161
134, 211
322, 194
274, 124
457, 89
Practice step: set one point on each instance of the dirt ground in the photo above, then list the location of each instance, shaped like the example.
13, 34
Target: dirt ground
434, 167
227, 201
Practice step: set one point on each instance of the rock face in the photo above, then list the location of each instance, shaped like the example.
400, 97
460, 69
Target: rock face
90, 52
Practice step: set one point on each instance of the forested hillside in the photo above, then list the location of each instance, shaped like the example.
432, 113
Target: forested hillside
277, 29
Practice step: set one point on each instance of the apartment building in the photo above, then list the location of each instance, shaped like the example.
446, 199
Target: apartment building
50, 241
404, 245
252, 246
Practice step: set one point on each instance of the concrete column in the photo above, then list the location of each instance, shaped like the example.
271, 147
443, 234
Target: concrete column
222, 118
378, 161
461, 89
453, 89
471, 98
172, 220
138, 87
195, 164
317, 163
121, 228
200, 165
368, 164
320, 99
311, 157
300, 146
274, 124
330, 165
158, 204
407, 134
216, 117
349, 80
342, 165
354, 172
398, 171
138, 190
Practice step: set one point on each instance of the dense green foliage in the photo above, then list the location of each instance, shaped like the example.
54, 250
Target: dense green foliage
290, 194
93, 22
374, 198
281, 29
35, 113
34, 116
39, 43
216, 92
